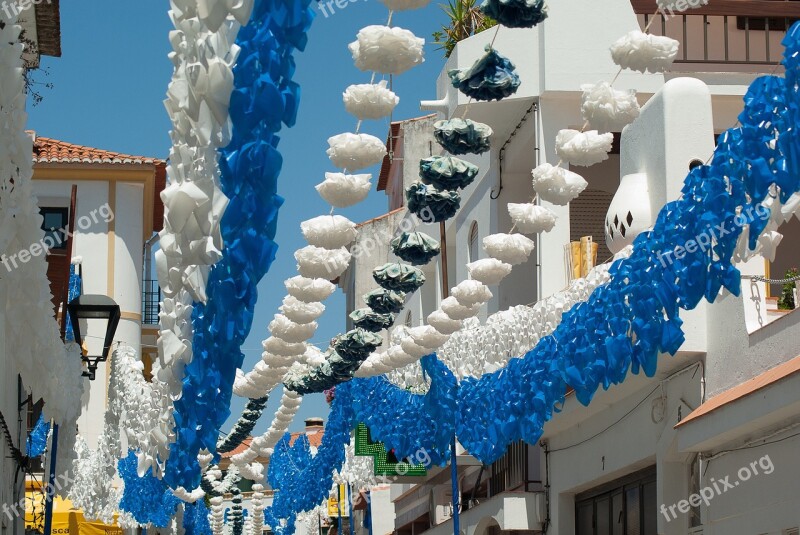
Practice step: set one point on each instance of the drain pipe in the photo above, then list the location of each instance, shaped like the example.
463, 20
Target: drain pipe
546, 524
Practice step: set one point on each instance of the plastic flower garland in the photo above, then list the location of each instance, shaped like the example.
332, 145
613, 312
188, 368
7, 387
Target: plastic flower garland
264, 97
147, 498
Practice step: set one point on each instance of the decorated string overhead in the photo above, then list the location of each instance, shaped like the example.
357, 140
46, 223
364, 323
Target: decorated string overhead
491, 77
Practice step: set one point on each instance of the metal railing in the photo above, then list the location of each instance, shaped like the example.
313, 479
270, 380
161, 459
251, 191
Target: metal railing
726, 32
151, 302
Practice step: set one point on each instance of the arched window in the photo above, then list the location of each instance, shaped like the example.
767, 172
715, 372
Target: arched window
472, 243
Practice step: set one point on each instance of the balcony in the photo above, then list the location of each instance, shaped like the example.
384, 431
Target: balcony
725, 35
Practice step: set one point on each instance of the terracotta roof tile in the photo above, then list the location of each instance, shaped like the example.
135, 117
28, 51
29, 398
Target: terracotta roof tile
755, 384
47, 150
314, 434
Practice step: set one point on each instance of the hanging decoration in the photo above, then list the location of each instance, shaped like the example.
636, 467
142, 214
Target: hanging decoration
491, 77
516, 13
329, 231
370, 101
644, 52
557, 185
147, 498
431, 204
355, 151
447, 172
399, 277
509, 248
607, 109
385, 301
369, 320
532, 218
583, 148
36, 443
462, 136
341, 190
416, 248
244, 425
386, 50
195, 519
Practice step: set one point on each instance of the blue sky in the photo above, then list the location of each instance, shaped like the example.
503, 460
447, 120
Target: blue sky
108, 92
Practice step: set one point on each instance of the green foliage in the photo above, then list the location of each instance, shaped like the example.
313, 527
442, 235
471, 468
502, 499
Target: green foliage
786, 301
466, 19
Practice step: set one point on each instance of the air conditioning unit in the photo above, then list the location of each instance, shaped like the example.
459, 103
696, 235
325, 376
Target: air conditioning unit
440, 504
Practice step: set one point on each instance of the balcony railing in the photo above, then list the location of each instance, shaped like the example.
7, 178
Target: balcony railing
744, 33
151, 302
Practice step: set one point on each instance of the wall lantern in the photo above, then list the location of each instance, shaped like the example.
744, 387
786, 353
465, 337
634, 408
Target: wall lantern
94, 307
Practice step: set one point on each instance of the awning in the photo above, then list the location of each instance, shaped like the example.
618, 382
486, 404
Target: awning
67, 520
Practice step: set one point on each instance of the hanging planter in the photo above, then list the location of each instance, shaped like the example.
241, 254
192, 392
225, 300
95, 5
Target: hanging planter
399, 277
516, 13
386, 50
417, 248
432, 205
385, 301
447, 172
462, 136
370, 101
369, 320
491, 77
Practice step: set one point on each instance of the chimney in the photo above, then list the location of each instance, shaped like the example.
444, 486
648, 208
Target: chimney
314, 423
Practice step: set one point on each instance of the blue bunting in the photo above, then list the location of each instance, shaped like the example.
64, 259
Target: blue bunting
148, 499
516, 13
491, 77
264, 97
195, 519
36, 444
622, 328
74, 291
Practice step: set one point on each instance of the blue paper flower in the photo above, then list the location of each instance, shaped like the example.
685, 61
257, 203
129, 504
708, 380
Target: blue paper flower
516, 13
491, 77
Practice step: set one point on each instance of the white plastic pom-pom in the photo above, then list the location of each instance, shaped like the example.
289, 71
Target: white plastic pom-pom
530, 218
299, 311
557, 185
281, 348
329, 231
443, 323
509, 248
457, 311
413, 349
289, 331
427, 336
489, 271
370, 101
341, 190
355, 151
644, 52
583, 148
608, 109
316, 262
309, 290
404, 5
471, 292
386, 50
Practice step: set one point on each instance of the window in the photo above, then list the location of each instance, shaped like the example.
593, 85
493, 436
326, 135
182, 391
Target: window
54, 225
624, 507
780, 24
472, 243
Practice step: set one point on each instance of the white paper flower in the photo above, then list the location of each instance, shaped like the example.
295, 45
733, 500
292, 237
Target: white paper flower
386, 50
557, 185
355, 151
341, 190
289, 331
404, 5
530, 218
299, 311
769, 242
279, 347
583, 148
309, 290
415, 350
329, 231
370, 101
644, 52
471, 292
316, 262
443, 323
509, 248
608, 109
456, 310
427, 336
489, 271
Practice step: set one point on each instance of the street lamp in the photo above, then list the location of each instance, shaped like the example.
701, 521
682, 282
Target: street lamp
94, 307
